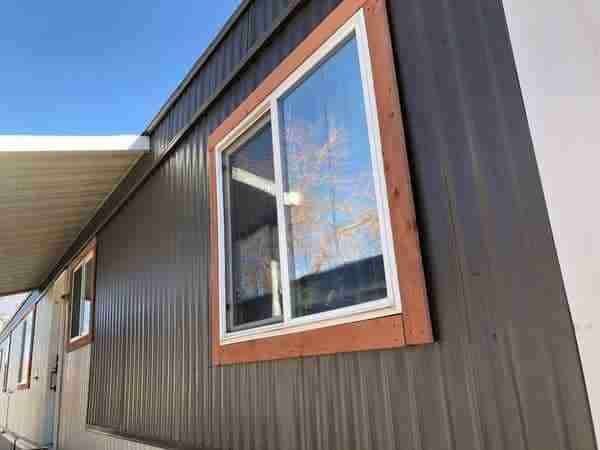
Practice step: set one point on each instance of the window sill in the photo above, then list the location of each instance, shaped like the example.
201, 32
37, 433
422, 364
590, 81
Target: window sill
367, 311
78, 342
375, 334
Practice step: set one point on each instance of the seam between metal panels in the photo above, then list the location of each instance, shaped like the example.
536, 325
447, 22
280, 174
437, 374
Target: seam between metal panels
186, 128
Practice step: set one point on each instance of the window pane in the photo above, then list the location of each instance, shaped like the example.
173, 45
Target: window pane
27, 330
76, 301
252, 247
85, 309
333, 225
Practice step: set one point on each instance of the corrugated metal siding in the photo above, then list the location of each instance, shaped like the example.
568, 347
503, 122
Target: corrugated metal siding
73, 435
504, 372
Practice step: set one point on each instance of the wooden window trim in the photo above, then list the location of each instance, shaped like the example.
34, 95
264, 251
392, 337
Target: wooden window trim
81, 341
22, 386
413, 325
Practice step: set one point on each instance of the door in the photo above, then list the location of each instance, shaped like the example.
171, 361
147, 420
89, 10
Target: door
59, 291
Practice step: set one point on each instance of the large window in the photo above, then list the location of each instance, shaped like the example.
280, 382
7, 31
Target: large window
25, 332
305, 238
83, 279
329, 194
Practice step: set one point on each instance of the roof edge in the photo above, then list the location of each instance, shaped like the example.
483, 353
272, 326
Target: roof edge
212, 47
55, 143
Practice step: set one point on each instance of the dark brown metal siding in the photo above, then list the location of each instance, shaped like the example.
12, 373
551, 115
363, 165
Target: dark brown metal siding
504, 372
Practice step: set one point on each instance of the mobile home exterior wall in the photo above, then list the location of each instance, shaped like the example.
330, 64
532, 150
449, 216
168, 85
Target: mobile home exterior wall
499, 306
504, 371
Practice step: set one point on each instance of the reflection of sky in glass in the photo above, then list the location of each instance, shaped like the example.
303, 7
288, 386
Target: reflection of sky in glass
326, 155
85, 313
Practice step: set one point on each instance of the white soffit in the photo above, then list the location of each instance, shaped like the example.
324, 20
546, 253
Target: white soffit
50, 187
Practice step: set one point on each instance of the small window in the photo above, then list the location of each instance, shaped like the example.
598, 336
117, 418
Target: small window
25, 332
82, 299
305, 238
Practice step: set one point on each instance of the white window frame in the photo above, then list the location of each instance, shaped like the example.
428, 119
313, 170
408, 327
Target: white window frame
91, 255
270, 107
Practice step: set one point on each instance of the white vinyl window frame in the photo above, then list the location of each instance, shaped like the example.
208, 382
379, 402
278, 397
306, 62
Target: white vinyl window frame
267, 112
81, 265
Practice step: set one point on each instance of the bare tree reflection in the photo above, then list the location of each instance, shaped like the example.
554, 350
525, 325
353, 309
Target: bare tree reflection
336, 222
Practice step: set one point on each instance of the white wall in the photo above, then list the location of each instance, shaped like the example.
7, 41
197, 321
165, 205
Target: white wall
29, 411
557, 52
28, 414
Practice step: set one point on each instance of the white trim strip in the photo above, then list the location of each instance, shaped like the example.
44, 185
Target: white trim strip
24, 143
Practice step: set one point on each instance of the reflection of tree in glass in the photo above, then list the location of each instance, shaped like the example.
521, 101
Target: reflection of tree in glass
337, 220
255, 255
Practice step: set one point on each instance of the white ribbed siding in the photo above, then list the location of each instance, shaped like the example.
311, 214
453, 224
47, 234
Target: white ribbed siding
30, 410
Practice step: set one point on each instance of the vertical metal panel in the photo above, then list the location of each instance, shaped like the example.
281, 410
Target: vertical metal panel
504, 372
73, 434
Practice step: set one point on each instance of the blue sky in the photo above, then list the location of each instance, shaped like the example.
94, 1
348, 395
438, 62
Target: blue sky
10, 303
78, 67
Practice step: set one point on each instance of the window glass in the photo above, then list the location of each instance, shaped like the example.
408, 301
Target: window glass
85, 313
333, 225
252, 248
26, 341
82, 298
76, 301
